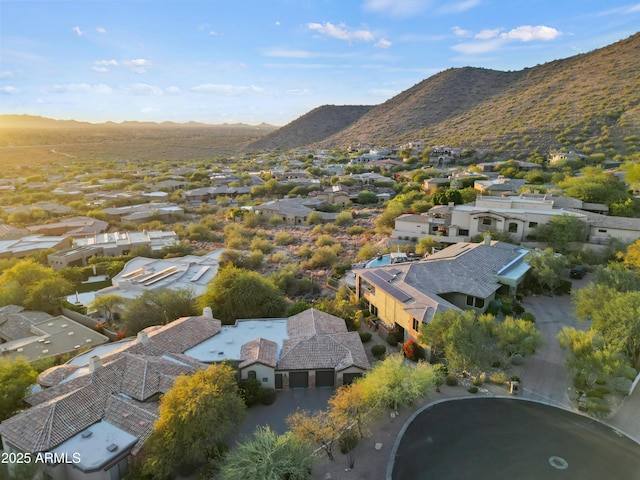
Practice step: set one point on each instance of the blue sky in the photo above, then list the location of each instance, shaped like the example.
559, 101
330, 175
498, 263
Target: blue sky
219, 61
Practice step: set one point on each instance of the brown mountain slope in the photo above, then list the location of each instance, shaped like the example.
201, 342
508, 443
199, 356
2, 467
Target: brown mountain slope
314, 126
589, 102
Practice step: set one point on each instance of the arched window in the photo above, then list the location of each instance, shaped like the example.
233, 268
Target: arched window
251, 374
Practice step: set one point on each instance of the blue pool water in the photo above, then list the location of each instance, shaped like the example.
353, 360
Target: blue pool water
379, 261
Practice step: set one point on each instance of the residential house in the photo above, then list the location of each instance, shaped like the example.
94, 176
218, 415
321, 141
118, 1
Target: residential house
141, 273
293, 211
102, 404
556, 157
499, 186
431, 185
461, 276
38, 335
143, 212
110, 244
515, 215
22, 247
72, 227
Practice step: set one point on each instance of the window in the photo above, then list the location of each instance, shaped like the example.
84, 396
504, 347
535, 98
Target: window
463, 231
479, 302
486, 221
373, 309
251, 374
533, 224
469, 300
602, 230
513, 227
416, 324
265, 379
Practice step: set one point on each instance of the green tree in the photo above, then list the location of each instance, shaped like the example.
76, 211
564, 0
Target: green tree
366, 197
314, 218
269, 456
434, 333
517, 336
16, 376
560, 231
547, 268
236, 293
197, 417
107, 305
158, 307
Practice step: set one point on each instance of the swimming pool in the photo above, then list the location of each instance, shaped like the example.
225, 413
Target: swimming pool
379, 261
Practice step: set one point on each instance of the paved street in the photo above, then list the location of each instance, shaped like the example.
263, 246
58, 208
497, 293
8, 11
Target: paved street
507, 438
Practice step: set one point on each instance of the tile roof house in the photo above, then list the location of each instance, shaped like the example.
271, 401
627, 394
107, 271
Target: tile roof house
113, 396
461, 276
103, 403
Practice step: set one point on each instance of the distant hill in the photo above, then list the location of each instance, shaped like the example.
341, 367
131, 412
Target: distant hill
315, 126
588, 103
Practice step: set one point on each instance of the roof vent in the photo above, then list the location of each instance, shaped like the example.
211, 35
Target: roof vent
113, 447
87, 434
70, 333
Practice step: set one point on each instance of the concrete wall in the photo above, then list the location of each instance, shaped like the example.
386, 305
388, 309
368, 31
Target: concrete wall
262, 372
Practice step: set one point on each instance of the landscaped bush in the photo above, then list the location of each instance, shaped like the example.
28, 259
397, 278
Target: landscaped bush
517, 359
472, 389
365, 336
627, 371
412, 350
599, 392
518, 309
477, 381
251, 391
379, 351
269, 396
528, 316
622, 385
392, 340
597, 407
499, 377
348, 441
564, 288
451, 380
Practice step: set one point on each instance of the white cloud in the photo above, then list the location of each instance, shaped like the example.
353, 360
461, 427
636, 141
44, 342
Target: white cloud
78, 31
397, 8
383, 43
138, 65
488, 34
528, 33
458, 7
460, 32
277, 24
475, 48
99, 88
6, 74
297, 91
213, 34
173, 91
286, 53
341, 32
141, 89
101, 30
226, 89
9, 90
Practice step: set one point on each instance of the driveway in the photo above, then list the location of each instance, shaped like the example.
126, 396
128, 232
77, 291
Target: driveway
287, 402
544, 377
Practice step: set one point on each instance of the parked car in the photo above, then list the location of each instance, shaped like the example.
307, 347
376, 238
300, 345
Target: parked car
577, 271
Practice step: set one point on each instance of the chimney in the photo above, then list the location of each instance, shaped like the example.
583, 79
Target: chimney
207, 313
143, 338
95, 362
487, 240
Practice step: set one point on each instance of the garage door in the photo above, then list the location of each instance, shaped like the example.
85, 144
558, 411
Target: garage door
325, 378
298, 379
348, 378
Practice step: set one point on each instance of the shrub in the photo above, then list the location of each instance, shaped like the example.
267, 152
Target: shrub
597, 393
472, 389
392, 340
518, 309
627, 371
412, 350
514, 378
517, 359
348, 441
528, 316
251, 391
622, 385
499, 377
451, 380
365, 336
355, 230
477, 381
379, 351
269, 396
